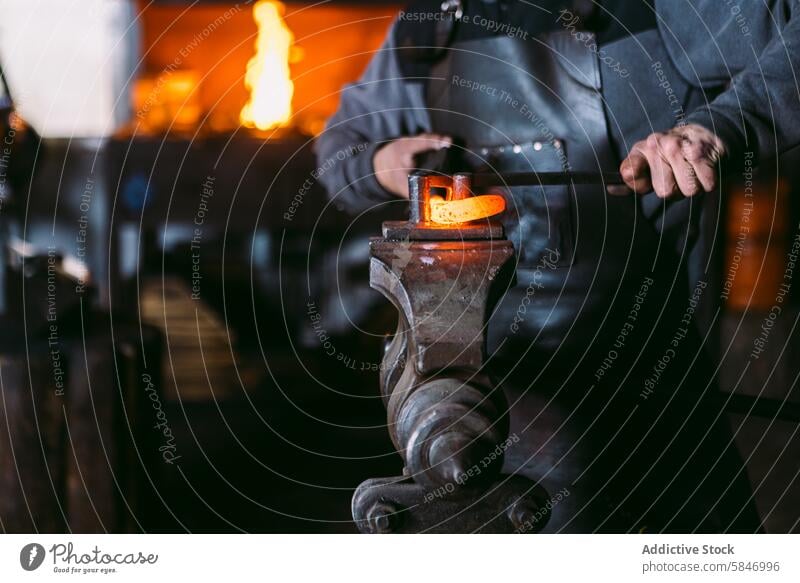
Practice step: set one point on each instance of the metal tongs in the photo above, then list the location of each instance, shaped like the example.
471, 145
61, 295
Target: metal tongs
459, 205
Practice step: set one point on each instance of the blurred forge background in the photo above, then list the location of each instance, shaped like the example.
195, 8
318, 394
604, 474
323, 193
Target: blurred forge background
174, 187
189, 341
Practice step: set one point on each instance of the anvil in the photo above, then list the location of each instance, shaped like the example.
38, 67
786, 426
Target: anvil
446, 419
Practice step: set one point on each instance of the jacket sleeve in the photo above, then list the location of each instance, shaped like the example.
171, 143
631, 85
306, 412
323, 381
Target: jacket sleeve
757, 47
381, 106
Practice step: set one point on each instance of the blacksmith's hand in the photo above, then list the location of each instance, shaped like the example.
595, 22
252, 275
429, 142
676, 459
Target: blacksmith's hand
683, 161
394, 161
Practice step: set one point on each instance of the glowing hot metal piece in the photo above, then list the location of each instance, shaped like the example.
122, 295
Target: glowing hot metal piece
451, 212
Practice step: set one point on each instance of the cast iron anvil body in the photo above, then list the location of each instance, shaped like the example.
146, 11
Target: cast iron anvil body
446, 419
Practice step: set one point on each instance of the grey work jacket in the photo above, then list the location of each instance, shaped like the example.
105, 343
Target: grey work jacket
744, 53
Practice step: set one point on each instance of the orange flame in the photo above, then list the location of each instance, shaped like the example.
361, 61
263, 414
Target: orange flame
451, 212
268, 78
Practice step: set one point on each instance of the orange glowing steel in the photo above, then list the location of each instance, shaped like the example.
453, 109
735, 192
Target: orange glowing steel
267, 77
451, 212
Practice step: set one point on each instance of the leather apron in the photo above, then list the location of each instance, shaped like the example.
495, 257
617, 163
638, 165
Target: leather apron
578, 339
